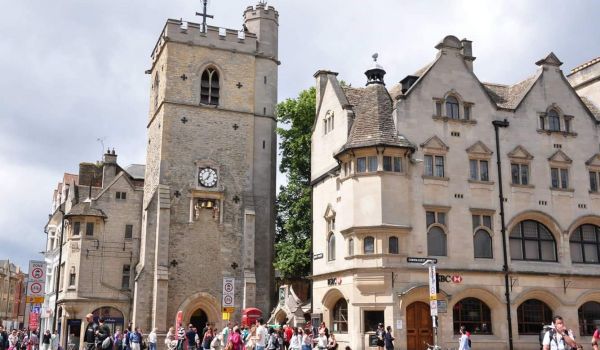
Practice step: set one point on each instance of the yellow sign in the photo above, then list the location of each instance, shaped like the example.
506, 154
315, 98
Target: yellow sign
34, 300
226, 316
228, 309
432, 297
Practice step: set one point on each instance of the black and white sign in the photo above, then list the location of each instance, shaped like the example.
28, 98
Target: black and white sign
228, 291
415, 260
318, 256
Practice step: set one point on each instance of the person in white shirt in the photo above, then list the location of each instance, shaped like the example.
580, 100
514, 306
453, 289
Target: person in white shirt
261, 334
296, 340
463, 342
152, 338
558, 337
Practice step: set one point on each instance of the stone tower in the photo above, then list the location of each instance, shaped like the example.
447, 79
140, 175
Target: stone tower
210, 178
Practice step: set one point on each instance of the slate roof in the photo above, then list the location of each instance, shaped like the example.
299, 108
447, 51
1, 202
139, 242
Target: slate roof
591, 106
509, 96
136, 171
84, 209
373, 121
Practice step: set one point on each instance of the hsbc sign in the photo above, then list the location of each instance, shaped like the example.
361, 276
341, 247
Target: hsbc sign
456, 279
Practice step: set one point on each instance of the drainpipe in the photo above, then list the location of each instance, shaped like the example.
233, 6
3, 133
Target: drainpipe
503, 124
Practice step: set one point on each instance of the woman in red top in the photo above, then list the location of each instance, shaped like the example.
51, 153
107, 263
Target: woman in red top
236, 339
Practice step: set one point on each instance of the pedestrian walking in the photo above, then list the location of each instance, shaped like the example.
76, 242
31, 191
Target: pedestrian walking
217, 342
190, 335
170, 341
3, 338
46, 340
152, 339
207, 340
558, 337
89, 337
135, 339
388, 339
463, 341
103, 339
261, 335
296, 339
332, 344
322, 341
307, 340
13, 340
380, 333
54, 340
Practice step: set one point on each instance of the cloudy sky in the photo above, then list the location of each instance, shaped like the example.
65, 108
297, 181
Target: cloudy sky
73, 71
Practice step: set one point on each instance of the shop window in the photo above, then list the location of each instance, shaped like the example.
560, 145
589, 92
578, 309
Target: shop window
340, 316
372, 319
532, 315
585, 245
531, 240
474, 315
369, 245
589, 316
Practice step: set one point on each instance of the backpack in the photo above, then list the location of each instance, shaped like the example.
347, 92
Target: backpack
552, 332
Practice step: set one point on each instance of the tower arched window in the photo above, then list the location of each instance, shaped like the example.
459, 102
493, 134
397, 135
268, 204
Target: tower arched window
369, 245
393, 245
452, 108
585, 244
209, 87
553, 120
331, 247
589, 314
340, 316
474, 315
532, 315
531, 240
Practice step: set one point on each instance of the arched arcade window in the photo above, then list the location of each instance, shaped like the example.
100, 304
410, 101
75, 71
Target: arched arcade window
340, 316
531, 240
532, 315
209, 87
585, 244
589, 318
474, 314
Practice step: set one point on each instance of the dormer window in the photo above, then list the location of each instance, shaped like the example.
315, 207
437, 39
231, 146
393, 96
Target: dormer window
554, 120
209, 87
453, 108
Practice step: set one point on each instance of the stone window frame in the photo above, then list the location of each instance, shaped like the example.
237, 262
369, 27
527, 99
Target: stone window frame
337, 324
364, 247
582, 242
520, 156
211, 69
351, 246
593, 168
479, 152
331, 246
522, 240
434, 147
441, 224
481, 213
349, 163
565, 122
389, 245
485, 316
585, 328
561, 162
328, 122
72, 278
465, 108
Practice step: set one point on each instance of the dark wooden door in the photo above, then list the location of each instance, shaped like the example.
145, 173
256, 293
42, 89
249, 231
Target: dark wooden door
419, 328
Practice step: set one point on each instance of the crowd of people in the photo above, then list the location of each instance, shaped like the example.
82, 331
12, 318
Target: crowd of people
24, 339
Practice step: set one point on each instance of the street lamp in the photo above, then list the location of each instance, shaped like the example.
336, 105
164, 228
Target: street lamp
503, 124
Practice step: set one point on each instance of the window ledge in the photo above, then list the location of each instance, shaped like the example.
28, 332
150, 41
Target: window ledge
559, 132
481, 182
455, 121
562, 189
521, 186
71, 288
435, 178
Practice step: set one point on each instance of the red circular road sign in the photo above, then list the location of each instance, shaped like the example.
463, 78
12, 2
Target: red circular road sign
35, 288
37, 273
228, 287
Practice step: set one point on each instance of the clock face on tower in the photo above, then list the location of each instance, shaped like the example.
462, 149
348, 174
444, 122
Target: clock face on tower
207, 177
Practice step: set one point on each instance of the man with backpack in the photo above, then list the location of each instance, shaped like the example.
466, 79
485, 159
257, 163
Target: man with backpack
558, 337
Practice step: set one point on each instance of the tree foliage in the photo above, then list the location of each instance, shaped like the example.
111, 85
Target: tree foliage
294, 205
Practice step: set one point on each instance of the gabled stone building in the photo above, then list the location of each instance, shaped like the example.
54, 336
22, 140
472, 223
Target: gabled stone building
410, 171
97, 213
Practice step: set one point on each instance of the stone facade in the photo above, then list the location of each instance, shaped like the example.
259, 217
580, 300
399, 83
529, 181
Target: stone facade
194, 234
427, 186
12, 289
101, 209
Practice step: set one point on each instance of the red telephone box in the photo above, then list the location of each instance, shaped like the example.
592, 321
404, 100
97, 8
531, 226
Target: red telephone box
250, 316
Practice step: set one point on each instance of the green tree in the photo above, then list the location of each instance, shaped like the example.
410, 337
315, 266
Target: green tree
294, 206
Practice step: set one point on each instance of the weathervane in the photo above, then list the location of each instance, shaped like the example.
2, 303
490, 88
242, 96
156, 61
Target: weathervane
204, 16
375, 55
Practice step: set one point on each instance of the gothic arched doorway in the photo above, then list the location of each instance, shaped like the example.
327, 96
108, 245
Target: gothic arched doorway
199, 320
419, 328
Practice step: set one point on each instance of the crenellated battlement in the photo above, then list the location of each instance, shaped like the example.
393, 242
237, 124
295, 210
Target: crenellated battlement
215, 37
261, 10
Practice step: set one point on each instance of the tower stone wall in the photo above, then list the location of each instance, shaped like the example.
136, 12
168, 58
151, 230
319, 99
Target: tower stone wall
195, 234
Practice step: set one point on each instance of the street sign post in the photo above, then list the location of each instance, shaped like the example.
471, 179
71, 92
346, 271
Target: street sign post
433, 292
36, 283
